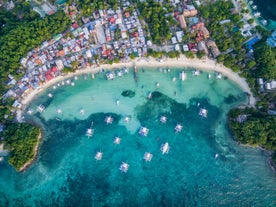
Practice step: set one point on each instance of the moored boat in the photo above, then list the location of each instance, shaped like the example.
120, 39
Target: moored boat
203, 112
108, 120
143, 131
182, 76
178, 128
165, 148
117, 140
98, 155
147, 156
163, 119
124, 167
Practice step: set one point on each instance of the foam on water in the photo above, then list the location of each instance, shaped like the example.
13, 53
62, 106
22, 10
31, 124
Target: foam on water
67, 174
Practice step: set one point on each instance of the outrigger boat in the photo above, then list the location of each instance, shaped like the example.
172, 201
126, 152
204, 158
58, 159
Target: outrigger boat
108, 120
209, 76
143, 131
40, 108
163, 119
218, 75
203, 112
149, 95
196, 72
82, 111
124, 167
90, 131
117, 140
59, 111
50, 95
165, 148
98, 155
147, 156
178, 128
182, 76
126, 119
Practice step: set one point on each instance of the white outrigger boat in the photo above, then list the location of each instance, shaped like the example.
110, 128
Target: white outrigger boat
143, 131
124, 167
163, 119
98, 155
59, 111
209, 76
196, 72
126, 119
82, 111
40, 108
165, 148
182, 76
50, 95
117, 140
218, 75
108, 120
203, 112
178, 128
149, 95
90, 131
147, 156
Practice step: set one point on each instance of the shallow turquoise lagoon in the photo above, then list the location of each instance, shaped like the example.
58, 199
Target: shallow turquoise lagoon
67, 174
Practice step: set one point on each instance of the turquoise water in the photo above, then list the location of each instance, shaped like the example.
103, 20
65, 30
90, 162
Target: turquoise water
66, 173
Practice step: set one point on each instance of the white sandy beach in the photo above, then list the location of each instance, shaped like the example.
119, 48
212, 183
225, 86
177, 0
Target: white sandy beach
203, 64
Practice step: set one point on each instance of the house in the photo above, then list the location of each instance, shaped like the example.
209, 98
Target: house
174, 40
185, 48
192, 47
202, 47
189, 11
179, 35
59, 64
213, 47
182, 21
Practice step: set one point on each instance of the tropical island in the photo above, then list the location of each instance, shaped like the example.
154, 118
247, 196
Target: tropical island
77, 35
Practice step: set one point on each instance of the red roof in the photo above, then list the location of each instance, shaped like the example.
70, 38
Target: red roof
112, 20
75, 25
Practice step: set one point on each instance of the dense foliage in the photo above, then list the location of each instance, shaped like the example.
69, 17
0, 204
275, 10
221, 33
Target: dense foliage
266, 61
159, 23
257, 130
21, 140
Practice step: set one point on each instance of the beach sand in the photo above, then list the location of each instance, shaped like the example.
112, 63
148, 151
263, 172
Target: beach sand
203, 64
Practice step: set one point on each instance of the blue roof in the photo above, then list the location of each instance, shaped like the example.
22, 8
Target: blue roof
252, 42
271, 42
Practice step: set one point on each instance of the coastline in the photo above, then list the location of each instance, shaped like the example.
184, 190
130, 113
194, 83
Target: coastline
28, 164
205, 64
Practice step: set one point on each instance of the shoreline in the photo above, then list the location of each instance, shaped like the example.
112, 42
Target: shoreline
205, 64
30, 162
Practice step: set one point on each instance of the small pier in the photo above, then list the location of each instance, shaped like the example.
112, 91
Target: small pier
135, 74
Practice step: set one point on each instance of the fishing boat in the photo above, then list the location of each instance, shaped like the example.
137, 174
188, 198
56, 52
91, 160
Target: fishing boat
117, 140
126, 119
178, 128
209, 76
218, 75
82, 111
50, 95
157, 85
196, 72
72, 84
90, 131
110, 75
143, 131
108, 120
59, 111
149, 95
173, 79
117, 102
147, 156
182, 76
203, 112
98, 155
30, 111
165, 148
124, 167
125, 70
40, 108
163, 119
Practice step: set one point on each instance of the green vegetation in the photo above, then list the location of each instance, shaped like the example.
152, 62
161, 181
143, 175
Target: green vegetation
128, 93
266, 61
257, 130
21, 140
155, 15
